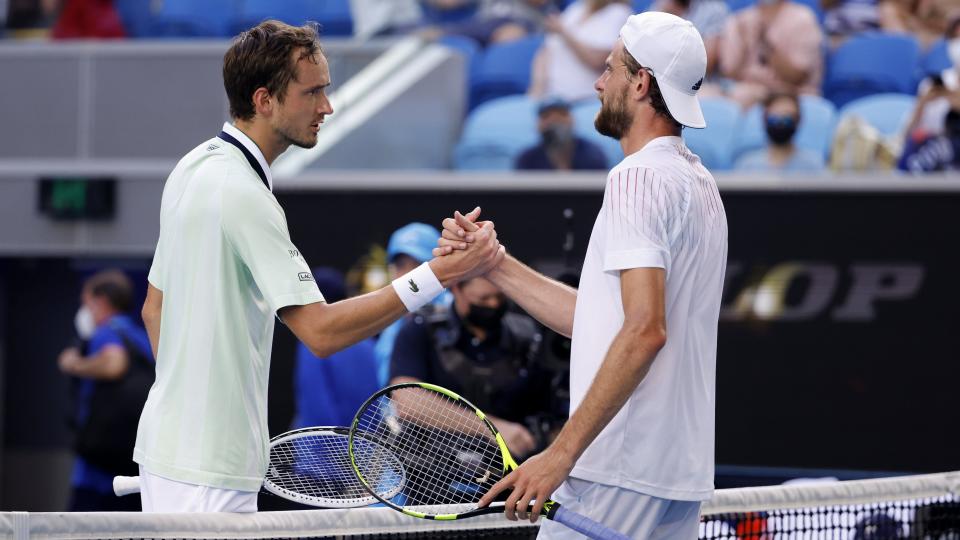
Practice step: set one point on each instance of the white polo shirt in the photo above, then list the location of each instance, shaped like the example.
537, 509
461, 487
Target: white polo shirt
661, 209
225, 264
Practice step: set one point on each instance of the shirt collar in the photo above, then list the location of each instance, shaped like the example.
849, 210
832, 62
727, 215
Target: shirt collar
252, 147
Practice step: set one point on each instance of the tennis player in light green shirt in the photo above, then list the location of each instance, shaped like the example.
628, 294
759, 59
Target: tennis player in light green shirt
225, 267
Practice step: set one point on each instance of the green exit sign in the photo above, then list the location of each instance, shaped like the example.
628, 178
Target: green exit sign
77, 198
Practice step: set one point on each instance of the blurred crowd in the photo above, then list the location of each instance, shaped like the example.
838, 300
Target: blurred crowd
768, 55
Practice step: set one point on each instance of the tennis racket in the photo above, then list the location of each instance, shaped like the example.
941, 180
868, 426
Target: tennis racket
451, 452
311, 466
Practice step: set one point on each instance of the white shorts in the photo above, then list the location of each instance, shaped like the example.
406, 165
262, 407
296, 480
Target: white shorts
162, 495
633, 514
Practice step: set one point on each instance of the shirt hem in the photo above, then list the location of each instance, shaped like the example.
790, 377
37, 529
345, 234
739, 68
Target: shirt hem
635, 258
296, 299
200, 478
673, 494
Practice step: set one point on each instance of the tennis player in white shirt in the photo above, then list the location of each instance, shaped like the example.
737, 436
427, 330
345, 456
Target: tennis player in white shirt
225, 269
637, 452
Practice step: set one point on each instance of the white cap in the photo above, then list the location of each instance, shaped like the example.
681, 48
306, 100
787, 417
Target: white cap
673, 49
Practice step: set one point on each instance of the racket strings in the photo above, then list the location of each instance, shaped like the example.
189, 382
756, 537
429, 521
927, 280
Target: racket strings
451, 456
316, 468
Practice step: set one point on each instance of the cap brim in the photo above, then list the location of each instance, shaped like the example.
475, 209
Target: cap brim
684, 108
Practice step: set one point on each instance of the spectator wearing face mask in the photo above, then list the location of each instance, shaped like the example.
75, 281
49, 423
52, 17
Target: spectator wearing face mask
772, 47
484, 353
559, 149
938, 93
781, 116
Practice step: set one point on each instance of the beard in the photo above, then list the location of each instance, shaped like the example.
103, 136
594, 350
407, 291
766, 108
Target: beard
614, 120
291, 137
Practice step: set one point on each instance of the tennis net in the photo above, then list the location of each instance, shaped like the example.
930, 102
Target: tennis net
909, 507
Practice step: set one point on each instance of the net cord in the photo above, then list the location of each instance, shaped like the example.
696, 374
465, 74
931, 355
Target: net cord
755, 499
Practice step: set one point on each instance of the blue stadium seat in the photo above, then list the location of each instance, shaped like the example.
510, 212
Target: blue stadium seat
639, 6
189, 18
714, 144
583, 116
137, 16
818, 119
935, 60
872, 64
433, 15
504, 69
333, 15
496, 133
737, 5
889, 113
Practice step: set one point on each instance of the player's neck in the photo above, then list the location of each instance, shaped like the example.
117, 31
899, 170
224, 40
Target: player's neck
264, 137
646, 128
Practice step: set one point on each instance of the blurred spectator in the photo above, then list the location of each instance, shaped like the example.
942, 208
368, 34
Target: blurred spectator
88, 19
846, 18
489, 356
496, 21
559, 148
330, 390
578, 42
409, 247
373, 18
781, 116
927, 20
937, 153
772, 47
708, 16
938, 93
113, 377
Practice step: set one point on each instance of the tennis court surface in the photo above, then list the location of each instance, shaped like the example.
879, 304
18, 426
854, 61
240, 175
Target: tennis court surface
908, 507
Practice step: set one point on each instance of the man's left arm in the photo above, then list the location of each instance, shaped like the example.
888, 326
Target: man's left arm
626, 364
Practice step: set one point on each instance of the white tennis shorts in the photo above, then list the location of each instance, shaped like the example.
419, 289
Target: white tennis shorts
633, 514
162, 495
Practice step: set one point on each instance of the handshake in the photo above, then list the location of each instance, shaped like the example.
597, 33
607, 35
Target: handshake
467, 248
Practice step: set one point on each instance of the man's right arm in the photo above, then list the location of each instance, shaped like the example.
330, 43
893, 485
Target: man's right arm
152, 307
327, 328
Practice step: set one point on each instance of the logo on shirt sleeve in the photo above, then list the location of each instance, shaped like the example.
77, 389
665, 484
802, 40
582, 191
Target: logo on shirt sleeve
305, 276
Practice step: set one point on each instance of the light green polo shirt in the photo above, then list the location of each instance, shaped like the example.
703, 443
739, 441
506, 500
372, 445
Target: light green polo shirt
225, 264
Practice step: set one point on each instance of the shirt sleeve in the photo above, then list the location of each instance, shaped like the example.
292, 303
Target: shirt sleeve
410, 352
637, 210
256, 228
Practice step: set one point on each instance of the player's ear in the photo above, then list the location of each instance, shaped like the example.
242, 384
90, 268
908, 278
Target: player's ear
262, 101
641, 85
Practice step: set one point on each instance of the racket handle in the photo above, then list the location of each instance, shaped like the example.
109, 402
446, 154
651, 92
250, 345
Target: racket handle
126, 485
585, 525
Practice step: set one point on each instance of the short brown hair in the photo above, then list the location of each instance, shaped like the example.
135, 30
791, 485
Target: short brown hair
656, 97
261, 58
114, 286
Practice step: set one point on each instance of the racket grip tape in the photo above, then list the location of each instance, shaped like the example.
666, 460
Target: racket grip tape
584, 525
126, 485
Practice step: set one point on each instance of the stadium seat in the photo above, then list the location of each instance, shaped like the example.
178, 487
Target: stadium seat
137, 16
737, 5
714, 144
467, 47
818, 118
583, 116
496, 133
935, 60
333, 15
504, 69
639, 6
872, 64
887, 112
188, 18
433, 15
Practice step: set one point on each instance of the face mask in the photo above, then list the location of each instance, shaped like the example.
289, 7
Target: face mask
83, 323
557, 135
780, 129
953, 51
485, 317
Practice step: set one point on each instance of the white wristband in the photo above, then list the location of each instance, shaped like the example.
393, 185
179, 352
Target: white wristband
418, 287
